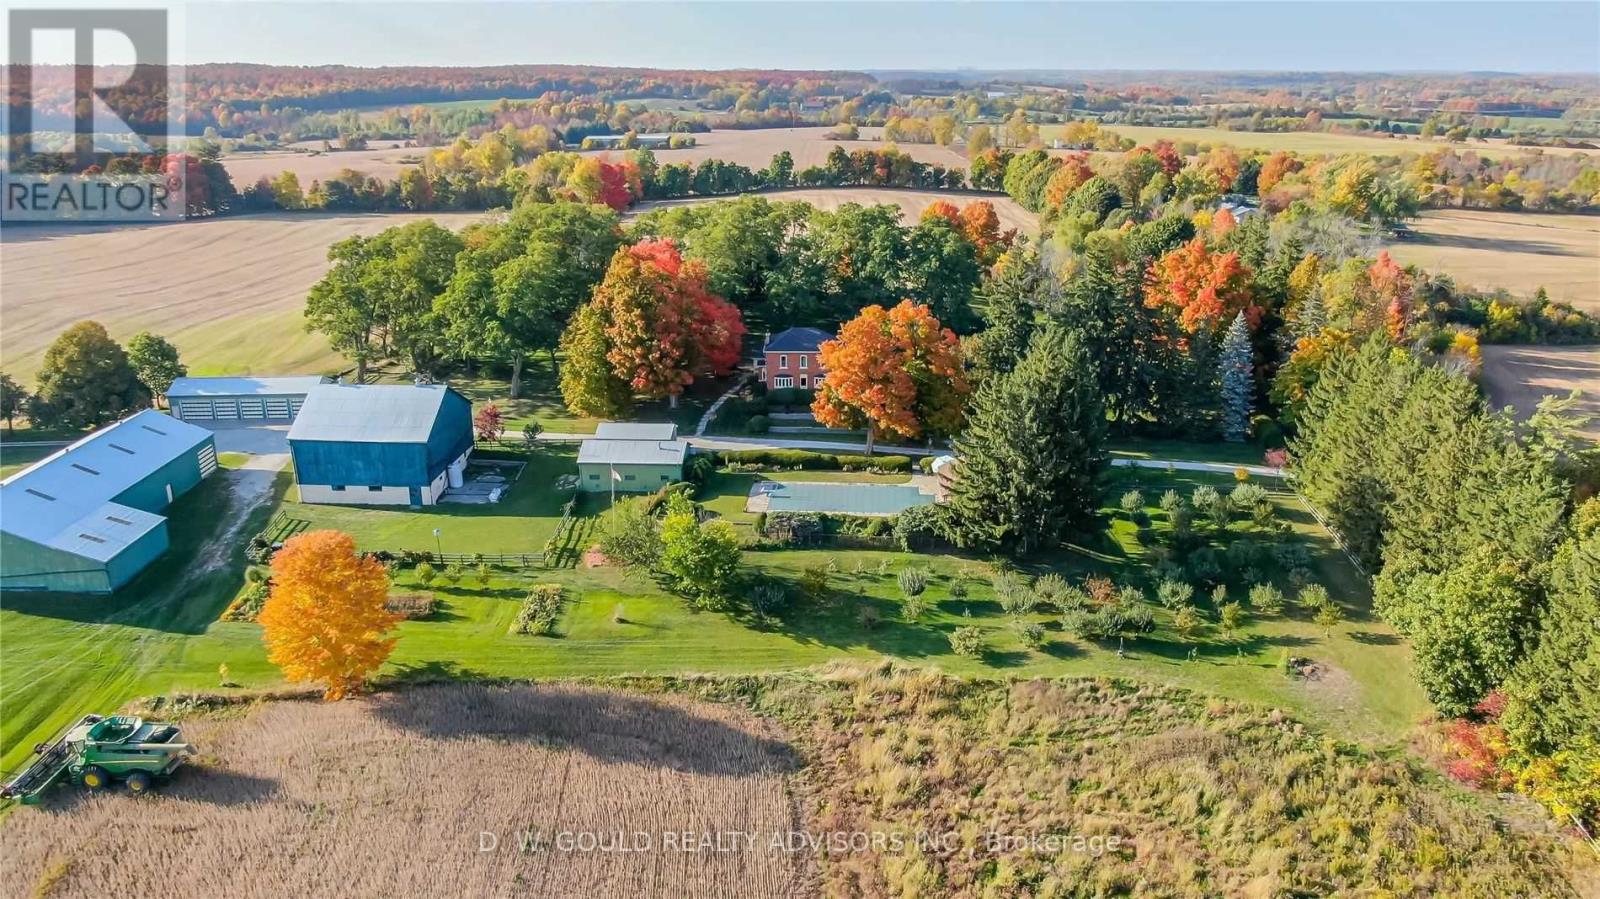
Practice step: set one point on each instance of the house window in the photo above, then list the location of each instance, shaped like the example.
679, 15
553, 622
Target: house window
629, 477
782, 381
337, 488
805, 361
783, 361
802, 378
375, 489
594, 477
664, 477
816, 383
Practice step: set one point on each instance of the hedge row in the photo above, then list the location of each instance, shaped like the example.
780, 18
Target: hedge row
806, 459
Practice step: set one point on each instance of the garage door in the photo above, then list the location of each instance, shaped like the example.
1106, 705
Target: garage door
224, 409
252, 409
294, 407
195, 410
278, 408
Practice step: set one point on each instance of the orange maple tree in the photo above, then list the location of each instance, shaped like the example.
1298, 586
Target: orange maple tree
664, 325
943, 209
325, 619
1205, 289
1074, 170
896, 370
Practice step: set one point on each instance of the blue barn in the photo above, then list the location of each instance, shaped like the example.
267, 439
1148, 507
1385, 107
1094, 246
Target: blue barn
85, 519
384, 445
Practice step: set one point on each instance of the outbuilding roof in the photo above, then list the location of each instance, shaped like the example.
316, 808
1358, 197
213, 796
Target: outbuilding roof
636, 430
244, 386
65, 500
633, 452
369, 413
797, 340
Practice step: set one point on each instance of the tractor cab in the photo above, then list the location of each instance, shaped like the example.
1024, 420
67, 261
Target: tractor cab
98, 750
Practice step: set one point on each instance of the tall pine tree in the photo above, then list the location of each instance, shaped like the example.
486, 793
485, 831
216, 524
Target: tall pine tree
1033, 453
1236, 373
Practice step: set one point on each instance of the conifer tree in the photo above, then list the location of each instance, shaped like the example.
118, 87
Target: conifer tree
1236, 374
1033, 452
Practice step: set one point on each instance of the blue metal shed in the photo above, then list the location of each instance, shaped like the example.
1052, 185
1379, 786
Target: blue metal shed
371, 444
84, 520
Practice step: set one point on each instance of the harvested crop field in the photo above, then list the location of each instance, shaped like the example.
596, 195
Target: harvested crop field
311, 164
911, 202
392, 795
1521, 376
1519, 251
756, 147
228, 291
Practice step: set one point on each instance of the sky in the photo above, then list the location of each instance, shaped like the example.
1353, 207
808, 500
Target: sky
1282, 35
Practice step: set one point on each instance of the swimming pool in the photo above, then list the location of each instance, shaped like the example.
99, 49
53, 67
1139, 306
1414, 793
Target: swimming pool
849, 499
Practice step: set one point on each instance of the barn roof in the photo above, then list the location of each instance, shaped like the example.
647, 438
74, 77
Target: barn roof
636, 430
370, 413
797, 340
65, 500
632, 452
243, 386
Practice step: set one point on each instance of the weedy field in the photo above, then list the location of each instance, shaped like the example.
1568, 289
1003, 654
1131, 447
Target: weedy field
391, 796
901, 782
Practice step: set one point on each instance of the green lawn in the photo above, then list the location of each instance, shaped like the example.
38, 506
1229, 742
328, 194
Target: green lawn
15, 458
62, 656
1188, 451
541, 401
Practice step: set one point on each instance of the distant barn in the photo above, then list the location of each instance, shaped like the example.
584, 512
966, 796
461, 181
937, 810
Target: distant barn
388, 445
242, 399
85, 520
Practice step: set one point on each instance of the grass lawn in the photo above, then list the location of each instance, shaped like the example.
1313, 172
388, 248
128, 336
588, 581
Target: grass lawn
63, 656
541, 400
15, 458
1188, 451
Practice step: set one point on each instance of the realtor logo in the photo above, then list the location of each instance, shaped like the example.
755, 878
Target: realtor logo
90, 116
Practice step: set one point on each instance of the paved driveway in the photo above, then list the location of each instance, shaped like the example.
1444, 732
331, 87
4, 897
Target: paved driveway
257, 440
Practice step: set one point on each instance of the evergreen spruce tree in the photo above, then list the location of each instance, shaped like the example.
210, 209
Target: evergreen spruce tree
1313, 316
1237, 375
1008, 299
1033, 454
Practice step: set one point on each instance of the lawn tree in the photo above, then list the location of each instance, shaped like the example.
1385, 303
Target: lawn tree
325, 620
14, 399
701, 558
631, 536
156, 362
489, 424
517, 285
1033, 452
662, 327
1237, 374
86, 381
1205, 289
942, 271
896, 370
589, 386
1328, 617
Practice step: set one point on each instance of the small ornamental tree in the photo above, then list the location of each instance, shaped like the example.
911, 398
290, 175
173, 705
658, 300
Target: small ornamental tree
489, 424
1238, 381
896, 370
325, 620
701, 558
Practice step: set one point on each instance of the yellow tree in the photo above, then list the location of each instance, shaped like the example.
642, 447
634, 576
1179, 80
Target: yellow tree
895, 370
325, 620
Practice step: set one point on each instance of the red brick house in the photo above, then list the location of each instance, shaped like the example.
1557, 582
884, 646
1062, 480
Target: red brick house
792, 358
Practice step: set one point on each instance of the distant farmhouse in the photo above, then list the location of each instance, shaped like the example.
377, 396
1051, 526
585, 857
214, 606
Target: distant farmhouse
84, 520
631, 457
246, 399
386, 445
793, 358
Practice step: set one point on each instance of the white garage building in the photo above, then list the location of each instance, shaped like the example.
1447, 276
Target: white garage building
205, 400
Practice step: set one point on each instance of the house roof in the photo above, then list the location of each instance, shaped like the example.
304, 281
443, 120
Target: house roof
797, 340
243, 386
369, 413
60, 498
632, 452
636, 430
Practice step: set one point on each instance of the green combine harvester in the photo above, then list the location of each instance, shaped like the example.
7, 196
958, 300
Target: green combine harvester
98, 751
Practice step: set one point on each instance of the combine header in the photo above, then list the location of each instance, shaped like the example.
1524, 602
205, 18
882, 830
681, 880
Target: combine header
99, 750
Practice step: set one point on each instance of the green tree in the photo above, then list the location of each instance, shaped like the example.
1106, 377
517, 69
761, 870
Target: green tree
589, 384
1044, 419
942, 272
156, 362
630, 535
86, 380
701, 558
14, 399
1008, 299
1237, 374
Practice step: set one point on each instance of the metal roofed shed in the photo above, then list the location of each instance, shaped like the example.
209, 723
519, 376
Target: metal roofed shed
632, 466
244, 399
85, 519
636, 430
369, 444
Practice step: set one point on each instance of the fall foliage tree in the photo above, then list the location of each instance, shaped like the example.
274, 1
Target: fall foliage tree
1205, 289
325, 620
488, 423
895, 370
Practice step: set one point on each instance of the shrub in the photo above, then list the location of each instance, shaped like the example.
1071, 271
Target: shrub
814, 580
630, 535
453, 573
958, 587
917, 524
1231, 617
913, 581
1132, 503
540, 610
769, 599
914, 607
1171, 502
1204, 566
790, 459
248, 606
1266, 599
483, 575
1174, 594
868, 617
757, 424
1246, 497
699, 468
1014, 593
967, 641
411, 606
1052, 589
1031, 634
426, 573
1312, 596
1137, 619
925, 464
